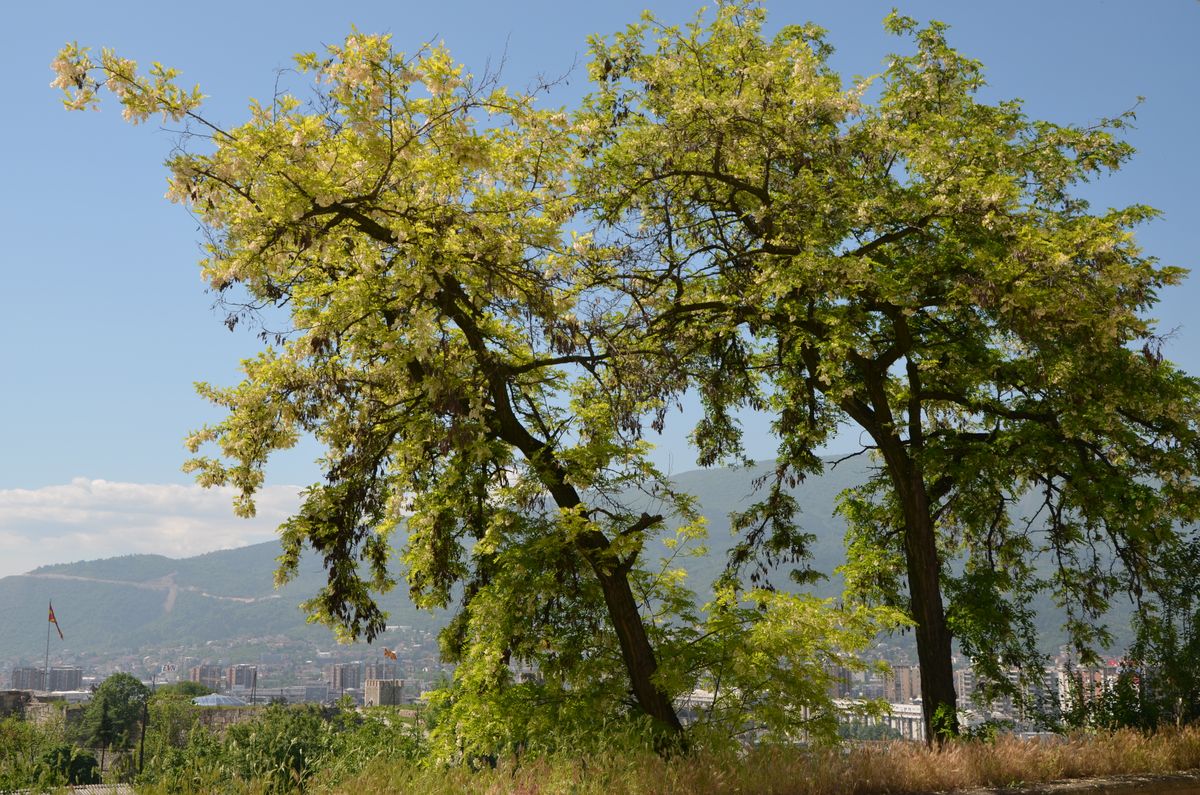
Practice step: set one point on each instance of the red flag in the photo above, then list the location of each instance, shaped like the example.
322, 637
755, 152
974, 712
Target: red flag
54, 621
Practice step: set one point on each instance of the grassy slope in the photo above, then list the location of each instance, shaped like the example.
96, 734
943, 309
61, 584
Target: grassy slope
1125, 762
871, 770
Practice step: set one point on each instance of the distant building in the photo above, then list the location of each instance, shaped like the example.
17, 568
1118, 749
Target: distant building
378, 670
840, 679
691, 706
964, 683
210, 676
1039, 694
906, 719
383, 692
345, 676
296, 694
219, 700
1087, 684
241, 677
65, 678
1028, 697
28, 678
903, 686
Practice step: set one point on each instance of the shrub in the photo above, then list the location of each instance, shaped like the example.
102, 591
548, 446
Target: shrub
66, 765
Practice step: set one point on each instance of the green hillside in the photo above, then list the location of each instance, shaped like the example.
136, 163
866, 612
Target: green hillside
724, 491
137, 600
124, 603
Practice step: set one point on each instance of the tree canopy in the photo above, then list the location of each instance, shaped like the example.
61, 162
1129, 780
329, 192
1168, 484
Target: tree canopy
899, 255
183, 689
113, 717
482, 306
471, 361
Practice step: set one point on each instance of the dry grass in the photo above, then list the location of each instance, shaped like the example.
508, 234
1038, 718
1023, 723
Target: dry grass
892, 768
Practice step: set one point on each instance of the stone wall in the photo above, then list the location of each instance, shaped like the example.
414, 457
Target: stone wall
45, 712
218, 719
13, 702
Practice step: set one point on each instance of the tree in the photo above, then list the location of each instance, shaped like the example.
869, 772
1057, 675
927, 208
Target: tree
422, 260
472, 368
919, 265
1167, 642
184, 689
113, 717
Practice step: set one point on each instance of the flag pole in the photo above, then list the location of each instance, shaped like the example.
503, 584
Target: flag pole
46, 669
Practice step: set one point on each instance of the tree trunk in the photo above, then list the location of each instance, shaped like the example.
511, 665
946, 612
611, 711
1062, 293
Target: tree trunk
639, 657
636, 651
613, 576
938, 699
939, 703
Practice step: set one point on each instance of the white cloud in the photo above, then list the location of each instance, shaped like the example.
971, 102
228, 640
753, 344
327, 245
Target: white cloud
87, 519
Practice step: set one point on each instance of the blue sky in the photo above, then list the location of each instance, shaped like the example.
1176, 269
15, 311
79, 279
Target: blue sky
105, 323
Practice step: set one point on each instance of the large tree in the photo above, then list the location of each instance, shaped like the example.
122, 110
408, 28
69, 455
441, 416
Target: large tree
903, 257
474, 371
113, 718
430, 304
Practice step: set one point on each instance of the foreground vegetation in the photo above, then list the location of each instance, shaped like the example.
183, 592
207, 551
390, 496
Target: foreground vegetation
325, 750
891, 768
361, 765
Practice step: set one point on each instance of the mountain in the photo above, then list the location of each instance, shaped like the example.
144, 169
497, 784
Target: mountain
125, 603
129, 602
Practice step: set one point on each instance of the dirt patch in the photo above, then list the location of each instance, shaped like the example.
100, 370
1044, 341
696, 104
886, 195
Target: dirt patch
1172, 783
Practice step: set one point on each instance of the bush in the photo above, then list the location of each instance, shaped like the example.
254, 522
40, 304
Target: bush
22, 746
280, 750
66, 765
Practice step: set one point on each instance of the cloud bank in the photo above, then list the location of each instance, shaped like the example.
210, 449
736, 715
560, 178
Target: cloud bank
87, 519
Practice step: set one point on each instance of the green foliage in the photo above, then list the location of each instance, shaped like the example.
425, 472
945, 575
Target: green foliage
1113, 706
1159, 684
65, 764
470, 361
184, 689
989, 731
377, 738
773, 651
1168, 638
194, 760
22, 746
282, 750
899, 255
113, 718
873, 732
172, 719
